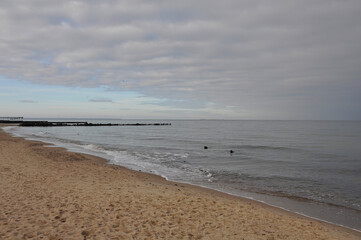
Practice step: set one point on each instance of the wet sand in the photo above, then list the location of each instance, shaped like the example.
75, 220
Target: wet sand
49, 193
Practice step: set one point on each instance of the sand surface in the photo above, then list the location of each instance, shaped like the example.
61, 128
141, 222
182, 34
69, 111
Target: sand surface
48, 193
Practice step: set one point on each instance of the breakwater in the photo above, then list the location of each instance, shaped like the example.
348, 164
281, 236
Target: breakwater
84, 124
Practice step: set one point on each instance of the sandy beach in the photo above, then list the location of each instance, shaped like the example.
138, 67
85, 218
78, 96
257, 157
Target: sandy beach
49, 193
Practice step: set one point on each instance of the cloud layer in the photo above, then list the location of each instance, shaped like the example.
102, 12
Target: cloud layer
100, 100
27, 101
261, 59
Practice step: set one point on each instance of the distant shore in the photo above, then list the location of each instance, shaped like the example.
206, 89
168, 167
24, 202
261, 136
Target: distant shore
55, 194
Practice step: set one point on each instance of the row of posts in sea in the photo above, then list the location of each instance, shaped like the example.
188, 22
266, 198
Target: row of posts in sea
85, 124
21, 122
11, 119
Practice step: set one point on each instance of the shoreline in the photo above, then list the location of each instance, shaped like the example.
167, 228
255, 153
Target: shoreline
157, 194
288, 204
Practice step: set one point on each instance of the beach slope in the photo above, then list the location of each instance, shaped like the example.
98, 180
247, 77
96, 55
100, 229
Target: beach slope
49, 193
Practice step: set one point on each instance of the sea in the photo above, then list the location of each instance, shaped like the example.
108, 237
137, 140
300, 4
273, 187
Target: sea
308, 167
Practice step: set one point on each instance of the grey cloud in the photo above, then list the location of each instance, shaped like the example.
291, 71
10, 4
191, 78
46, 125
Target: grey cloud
271, 59
100, 100
27, 101
178, 104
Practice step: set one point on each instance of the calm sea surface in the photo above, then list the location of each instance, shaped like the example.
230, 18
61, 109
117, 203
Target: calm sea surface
309, 167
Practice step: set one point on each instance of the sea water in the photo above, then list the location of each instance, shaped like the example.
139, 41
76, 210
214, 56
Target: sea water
308, 167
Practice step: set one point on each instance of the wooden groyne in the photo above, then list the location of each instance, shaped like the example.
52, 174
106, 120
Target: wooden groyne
84, 124
11, 119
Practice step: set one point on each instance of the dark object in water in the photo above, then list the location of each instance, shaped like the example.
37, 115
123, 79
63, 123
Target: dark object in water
231, 152
205, 147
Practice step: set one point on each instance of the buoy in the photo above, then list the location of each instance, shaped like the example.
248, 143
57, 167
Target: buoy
205, 147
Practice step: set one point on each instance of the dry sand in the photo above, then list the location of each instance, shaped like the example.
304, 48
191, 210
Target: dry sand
49, 193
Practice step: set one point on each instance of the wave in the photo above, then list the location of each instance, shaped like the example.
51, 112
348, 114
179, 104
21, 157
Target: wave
305, 199
295, 188
262, 147
154, 138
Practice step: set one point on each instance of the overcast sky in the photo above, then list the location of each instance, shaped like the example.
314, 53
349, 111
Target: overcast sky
242, 59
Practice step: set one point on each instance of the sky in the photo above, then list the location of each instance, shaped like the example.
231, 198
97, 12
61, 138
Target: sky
203, 59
